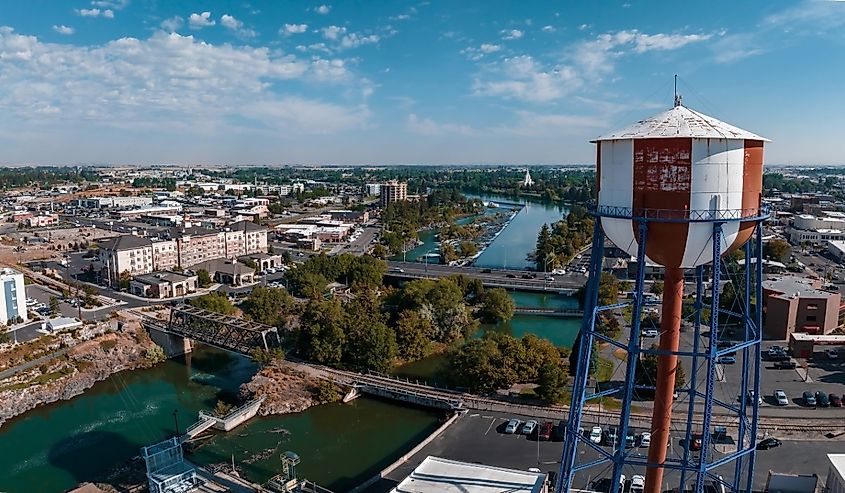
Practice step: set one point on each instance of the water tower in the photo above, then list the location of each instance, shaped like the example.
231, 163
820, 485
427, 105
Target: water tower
677, 192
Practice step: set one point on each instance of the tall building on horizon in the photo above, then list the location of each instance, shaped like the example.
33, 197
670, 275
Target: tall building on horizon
393, 191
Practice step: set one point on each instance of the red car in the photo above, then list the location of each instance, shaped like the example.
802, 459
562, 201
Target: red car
545, 432
696, 442
835, 400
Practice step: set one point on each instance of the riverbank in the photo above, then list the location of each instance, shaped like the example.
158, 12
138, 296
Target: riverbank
287, 390
95, 353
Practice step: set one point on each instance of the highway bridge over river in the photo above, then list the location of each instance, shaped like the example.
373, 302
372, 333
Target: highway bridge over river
498, 278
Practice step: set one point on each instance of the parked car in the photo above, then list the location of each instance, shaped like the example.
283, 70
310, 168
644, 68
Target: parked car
637, 484
630, 439
651, 333
611, 435
595, 434
789, 364
767, 443
832, 354
550, 278
696, 442
529, 427
512, 426
545, 432
809, 399
780, 398
749, 399
726, 360
560, 430
821, 399
835, 400
511, 276
645, 439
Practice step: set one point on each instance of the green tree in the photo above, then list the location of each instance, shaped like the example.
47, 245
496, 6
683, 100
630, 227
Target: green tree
552, 382
413, 335
54, 305
496, 306
467, 248
370, 346
264, 357
448, 253
380, 251
574, 357
657, 287
214, 302
222, 409
123, 280
777, 249
203, 278
321, 337
269, 306
608, 289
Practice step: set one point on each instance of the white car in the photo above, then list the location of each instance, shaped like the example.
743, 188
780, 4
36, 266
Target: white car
31, 302
512, 426
595, 434
529, 427
650, 333
780, 398
637, 484
645, 439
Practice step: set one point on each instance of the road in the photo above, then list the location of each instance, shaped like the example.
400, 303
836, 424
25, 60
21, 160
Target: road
518, 279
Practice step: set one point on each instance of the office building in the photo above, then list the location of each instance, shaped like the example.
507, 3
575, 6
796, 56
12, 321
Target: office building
13, 301
796, 304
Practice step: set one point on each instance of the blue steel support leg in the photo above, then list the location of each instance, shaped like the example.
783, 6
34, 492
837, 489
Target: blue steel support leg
711, 358
758, 336
693, 383
582, 372
746, 364
633, 357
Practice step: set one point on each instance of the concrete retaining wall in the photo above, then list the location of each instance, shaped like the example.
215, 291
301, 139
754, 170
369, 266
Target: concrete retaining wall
401, 460
172, 345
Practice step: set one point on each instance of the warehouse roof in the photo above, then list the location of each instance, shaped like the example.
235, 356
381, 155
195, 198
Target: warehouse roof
681, 121
436, 475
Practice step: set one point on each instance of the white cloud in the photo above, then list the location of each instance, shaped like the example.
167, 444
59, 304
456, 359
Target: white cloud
585, 63
167, 80
323, 9
95, 12
427, 126
111, 4
400, 17
199, 21
532, 124
354, 40
236, 26
489, 48
476, 54
172, 24
291, 29
67, 31
333, 32
584, 27
548, 29
511, 33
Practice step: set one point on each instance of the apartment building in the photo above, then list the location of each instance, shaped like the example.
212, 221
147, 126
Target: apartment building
393, 191
182, 247
13, 301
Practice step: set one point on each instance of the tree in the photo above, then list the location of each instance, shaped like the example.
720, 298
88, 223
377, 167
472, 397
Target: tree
657, 287
214, 302
321, 337
380, 251
123, 280
777, 249
222, 409
264, 357
413, 335
54, 305
608, 289
647, 372
203, 278
370, 346
467, 248
448, 253
497, 306
552, 382
269, 306
574, 356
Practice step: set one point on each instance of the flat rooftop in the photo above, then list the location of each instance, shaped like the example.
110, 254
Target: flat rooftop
436, 475
792, 285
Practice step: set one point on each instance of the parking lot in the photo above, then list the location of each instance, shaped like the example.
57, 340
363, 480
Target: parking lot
481, 438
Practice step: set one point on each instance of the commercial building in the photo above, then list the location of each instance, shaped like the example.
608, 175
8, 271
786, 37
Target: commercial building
393, 191
436, 475
227, 272
350, 216
160, 285
817, 229
837, 249
110, 202
13, 301
43, 220
796, 304
803, 345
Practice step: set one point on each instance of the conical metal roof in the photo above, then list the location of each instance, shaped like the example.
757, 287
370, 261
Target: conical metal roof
680, 121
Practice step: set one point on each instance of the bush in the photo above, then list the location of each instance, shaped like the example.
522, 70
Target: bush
108, 345
327, 391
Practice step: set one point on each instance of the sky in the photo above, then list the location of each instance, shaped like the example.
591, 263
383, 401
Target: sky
280, 82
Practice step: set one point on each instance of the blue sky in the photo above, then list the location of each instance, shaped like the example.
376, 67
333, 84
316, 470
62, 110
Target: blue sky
522, 82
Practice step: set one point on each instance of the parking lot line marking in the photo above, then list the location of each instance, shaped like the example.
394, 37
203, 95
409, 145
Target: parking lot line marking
492, 422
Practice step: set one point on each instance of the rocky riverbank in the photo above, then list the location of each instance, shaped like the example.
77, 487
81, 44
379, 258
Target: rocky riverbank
70, 374
288, 390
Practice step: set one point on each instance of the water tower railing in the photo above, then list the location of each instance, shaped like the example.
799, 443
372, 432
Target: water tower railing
686, 216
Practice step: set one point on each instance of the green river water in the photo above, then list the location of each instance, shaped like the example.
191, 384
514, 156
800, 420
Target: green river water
55, 447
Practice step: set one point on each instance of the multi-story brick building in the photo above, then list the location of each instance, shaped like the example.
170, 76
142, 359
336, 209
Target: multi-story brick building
796, 304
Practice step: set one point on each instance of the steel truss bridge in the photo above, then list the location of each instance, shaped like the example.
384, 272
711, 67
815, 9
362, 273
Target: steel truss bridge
222, 331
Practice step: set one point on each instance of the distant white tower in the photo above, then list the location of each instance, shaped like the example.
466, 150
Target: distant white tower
527, 182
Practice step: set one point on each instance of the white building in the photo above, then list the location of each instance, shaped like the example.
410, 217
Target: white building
103, 202
817, 229
13, 301
836, 474
436, 475
372, 189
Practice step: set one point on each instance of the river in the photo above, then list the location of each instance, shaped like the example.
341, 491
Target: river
55, 447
